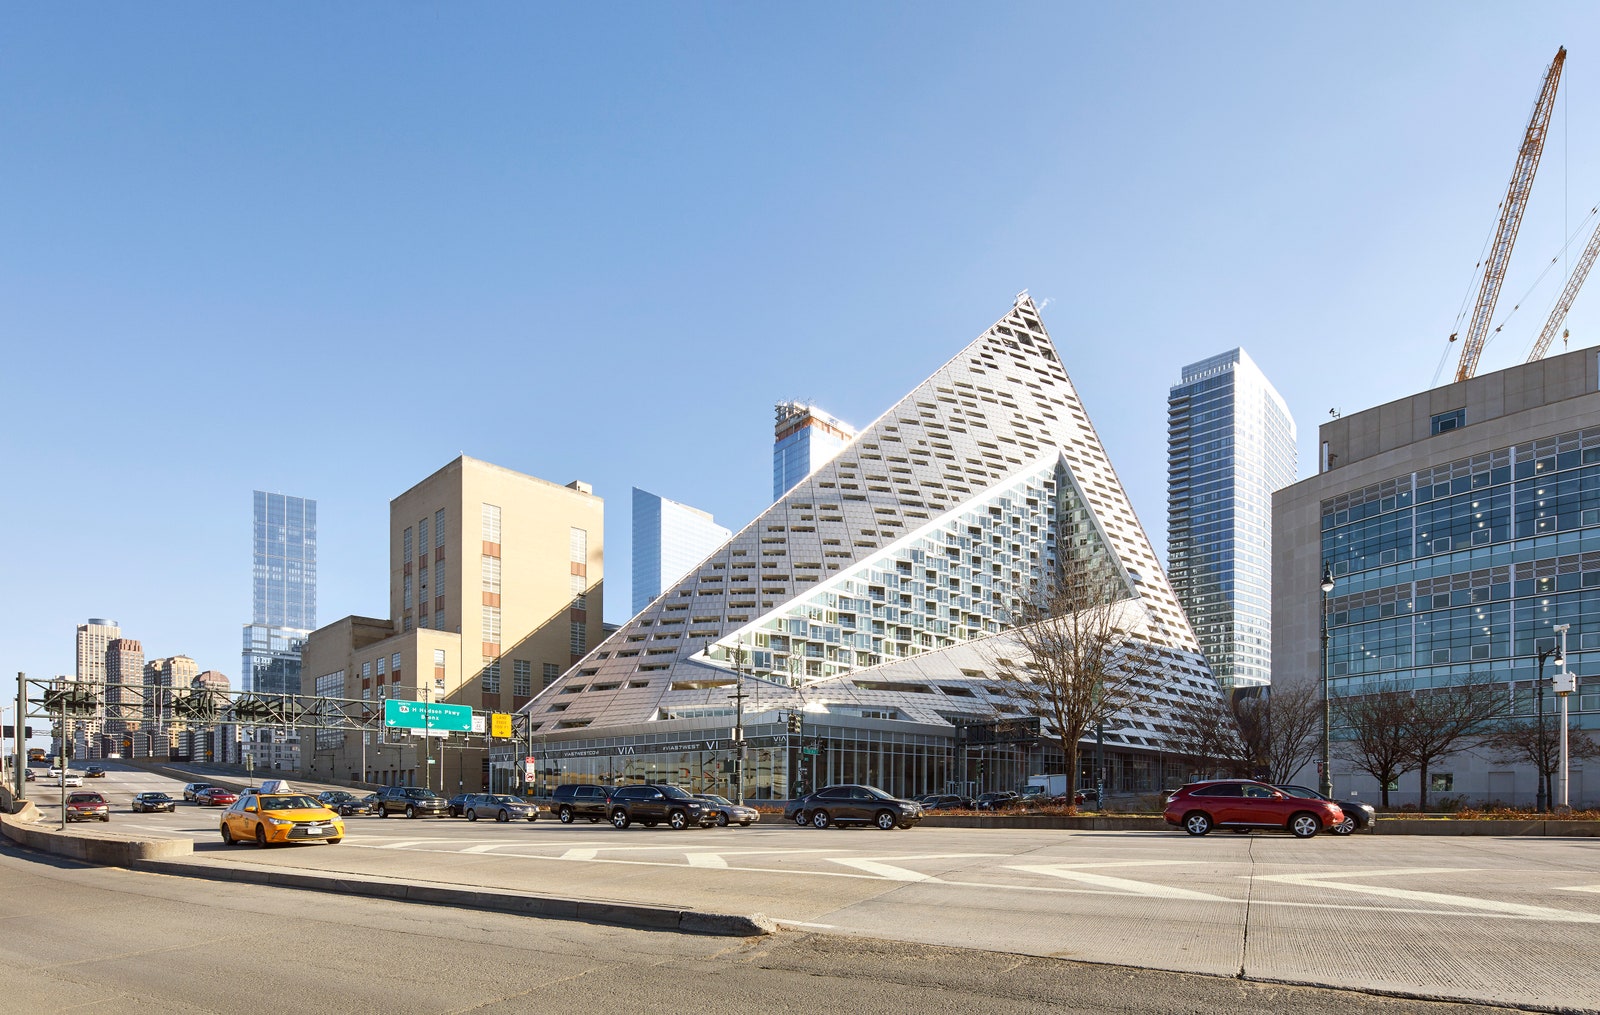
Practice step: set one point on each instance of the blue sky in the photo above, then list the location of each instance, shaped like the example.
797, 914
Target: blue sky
323, 249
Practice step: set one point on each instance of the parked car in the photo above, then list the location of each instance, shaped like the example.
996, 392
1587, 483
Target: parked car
412, 801
944, 802
457, 805
144, 803
652, 805
72, 778
276, 818
853, 804
215, 796
1244, 804
94, 772
1000, 800
576, 800
728, 812
191, 789
30, 776
87, 806
344, 802
500, 806
1357, 816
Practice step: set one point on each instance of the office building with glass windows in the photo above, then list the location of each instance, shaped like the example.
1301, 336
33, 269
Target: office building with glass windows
1230, 444
1461, 526
874, 600
669, 539
283, 592
804, 438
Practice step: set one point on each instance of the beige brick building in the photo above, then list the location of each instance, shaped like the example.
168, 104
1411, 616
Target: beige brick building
495, 589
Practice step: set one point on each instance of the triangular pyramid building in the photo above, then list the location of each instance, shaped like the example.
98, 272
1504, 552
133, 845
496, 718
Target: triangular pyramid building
875, 586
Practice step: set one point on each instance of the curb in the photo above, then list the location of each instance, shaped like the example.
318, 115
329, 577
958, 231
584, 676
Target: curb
619, 913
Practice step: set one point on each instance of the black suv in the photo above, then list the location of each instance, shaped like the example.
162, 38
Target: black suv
575, 800
852, 804
410, 801
651, 805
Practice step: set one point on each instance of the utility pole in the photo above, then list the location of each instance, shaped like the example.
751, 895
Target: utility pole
1563, 685
22, 744
738, 725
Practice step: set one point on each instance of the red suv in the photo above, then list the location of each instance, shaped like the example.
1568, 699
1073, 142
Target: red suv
1243, 804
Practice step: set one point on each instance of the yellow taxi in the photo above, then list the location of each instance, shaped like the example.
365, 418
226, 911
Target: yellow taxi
279, 817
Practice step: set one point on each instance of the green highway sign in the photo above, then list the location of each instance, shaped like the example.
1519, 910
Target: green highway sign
422, 715
808, 751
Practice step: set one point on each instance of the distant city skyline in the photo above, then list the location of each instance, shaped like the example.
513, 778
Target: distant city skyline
633, 265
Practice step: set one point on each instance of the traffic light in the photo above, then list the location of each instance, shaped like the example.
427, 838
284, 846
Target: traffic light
796, 723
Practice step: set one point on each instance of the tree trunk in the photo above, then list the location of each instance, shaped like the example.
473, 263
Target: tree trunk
1386, 780
1422, 789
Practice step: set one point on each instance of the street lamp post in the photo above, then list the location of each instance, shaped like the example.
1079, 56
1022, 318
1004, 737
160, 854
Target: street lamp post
1541, 795
1563, 686
1325, 783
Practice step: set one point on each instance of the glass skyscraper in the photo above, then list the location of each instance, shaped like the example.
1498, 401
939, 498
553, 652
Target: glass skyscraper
669, 539
284, 600
804, 439
1230, 444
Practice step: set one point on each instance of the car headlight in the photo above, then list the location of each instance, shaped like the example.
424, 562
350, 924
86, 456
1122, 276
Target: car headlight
280, 823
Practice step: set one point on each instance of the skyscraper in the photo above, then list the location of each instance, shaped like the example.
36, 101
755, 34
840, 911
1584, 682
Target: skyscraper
669, 538
804, 439
124, 663
284, 600
1230, 444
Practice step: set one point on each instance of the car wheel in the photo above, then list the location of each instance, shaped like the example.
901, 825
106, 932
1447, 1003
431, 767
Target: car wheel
472, 815
819, 819
533, 817
106, 818
1346, 826
334, 842
565, 815
261, 836
1304, 825
884, 820
801, 819
722, 820
678, 821
503, 816
1197, 823
411, 811
383, 812
619, 818
227, 836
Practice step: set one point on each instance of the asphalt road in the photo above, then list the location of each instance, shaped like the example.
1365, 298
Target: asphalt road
86, 938
1502, 921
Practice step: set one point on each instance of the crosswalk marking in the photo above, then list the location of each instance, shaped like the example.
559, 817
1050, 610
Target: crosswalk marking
1075, 872
1336, 880
875, 865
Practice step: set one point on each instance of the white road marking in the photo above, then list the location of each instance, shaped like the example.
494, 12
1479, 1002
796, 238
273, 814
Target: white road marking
1326, 880
891, 872
484, 847
1072, 872
1580, 888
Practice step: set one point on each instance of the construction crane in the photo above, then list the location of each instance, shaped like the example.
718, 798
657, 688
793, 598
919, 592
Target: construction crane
1511, 209
1574, 283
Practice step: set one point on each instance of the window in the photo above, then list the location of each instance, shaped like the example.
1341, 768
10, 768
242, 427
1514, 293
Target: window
578, 546
1441, 783
422, 539
550, 673
1449, 420
491, 523
395, 664
366, 671
438, 658
438, 578
405, 542
580, 638
438, 527
580, 602
491, 624
382, 660
405, 593
438, 620
521, 677
491, 676
491, 575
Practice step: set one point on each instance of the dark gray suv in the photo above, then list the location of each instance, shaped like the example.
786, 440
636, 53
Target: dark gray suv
412, 801
575, 800
852, 804
653, 805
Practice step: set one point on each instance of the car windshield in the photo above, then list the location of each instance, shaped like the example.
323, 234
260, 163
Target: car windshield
674, 793
505, 799
84, 798
421, 794
157, 797
287, 803
339, 796
724, 801
875, 791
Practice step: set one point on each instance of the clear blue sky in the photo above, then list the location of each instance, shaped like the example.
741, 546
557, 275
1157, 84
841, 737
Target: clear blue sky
323, 249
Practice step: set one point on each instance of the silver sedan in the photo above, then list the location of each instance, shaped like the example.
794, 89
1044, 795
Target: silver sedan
499, 806
728, 812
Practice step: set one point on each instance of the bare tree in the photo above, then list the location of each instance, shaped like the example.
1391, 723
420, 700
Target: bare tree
1442, 721
1283, 726
1373, 728
1205, 735
1520, 740
1084, 667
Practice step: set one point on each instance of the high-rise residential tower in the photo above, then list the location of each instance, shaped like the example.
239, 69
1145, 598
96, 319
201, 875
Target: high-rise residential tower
161, 676
284, 600
94, 638
124, 662
1230, 444
669, 539
804, 439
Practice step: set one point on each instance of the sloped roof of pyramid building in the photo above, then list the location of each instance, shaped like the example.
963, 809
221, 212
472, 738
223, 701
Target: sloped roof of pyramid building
954, 488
